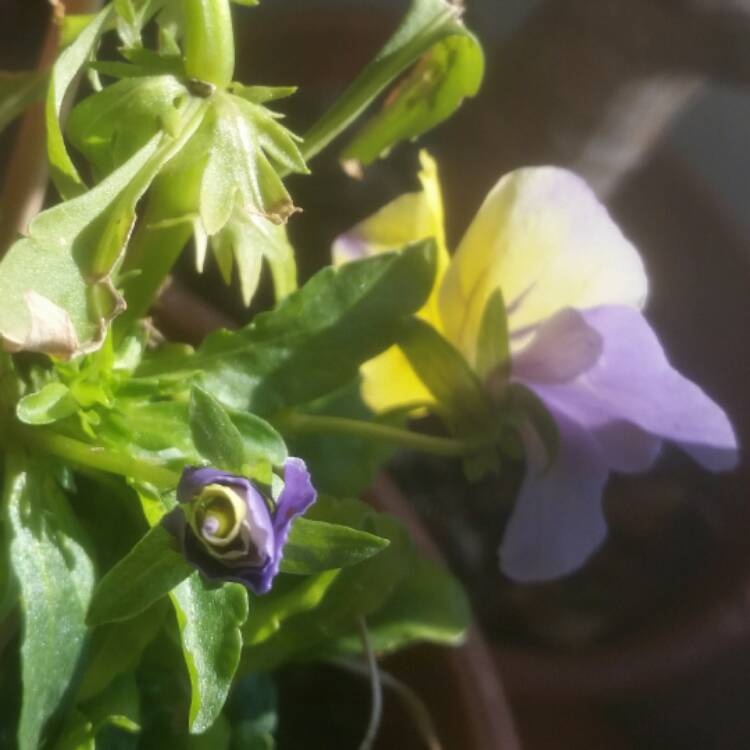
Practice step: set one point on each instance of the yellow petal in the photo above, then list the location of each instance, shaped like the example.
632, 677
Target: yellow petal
407, 219
544, 239
389, 382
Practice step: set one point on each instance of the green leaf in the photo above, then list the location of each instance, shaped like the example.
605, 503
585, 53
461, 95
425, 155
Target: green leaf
315, 546
47, 302
247, 239
354, 592
261, 441
117, 706
493, 343
434, 89
55, 577
428, 605
315, 340
290, 595
246, 146
64, 72
116, 648
261, 94
53, 402
448, 376
209, 619
56, 295
457, 67
17, 92
214, 433
150, 571
115, 123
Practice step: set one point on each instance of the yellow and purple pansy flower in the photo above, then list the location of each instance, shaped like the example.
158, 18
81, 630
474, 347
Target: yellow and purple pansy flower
574, 288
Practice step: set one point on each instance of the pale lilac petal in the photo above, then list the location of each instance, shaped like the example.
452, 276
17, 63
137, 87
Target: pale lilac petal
561, 349
557, 521
632, 382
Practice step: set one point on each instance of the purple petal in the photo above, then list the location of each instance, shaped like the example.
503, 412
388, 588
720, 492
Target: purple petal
296, 497
563, 348
630, 396
557, 521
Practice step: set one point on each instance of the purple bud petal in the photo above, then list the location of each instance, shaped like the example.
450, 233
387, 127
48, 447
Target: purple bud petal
255, 557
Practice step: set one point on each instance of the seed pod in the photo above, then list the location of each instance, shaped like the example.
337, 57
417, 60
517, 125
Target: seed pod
209, 41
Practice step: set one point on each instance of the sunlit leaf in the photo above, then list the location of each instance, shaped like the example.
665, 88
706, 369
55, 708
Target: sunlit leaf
315, 340
55, 577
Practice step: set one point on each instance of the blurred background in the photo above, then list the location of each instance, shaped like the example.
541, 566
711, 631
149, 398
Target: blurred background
649, 645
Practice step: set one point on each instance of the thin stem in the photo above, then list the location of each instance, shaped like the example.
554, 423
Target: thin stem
94, 457
376, 711
413, 704
441, 446
25, 182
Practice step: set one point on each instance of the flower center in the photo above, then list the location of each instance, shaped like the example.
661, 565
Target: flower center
218, 513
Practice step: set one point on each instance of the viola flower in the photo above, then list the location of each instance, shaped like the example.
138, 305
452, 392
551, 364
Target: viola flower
574, 287
230, 531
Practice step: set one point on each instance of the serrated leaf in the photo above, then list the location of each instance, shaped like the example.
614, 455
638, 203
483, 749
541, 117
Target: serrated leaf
315, 546
261, 94
248, 240
316, 339
64, 72
209, 619
246, 147
55, 577
152, 569
214, 433
427, 23
17, 92
53, 402
112, 125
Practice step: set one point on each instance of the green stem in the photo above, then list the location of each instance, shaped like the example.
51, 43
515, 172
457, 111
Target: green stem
441, 446
94, 457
